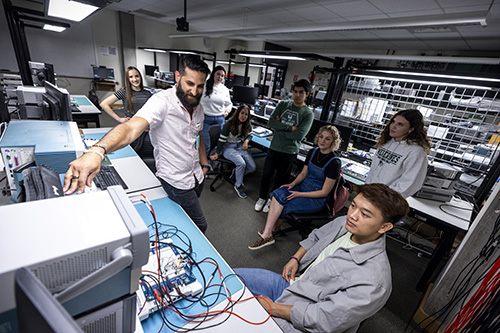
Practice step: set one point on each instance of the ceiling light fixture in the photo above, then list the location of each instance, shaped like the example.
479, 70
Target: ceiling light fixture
451, 84
55, 28
225, 62
271, 56
70, 10
155, 50
182, 52
473, 78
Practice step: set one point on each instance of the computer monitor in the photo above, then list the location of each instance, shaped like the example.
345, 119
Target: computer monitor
345, 133
245, 95
149, 70
41, 72
103, 73
263, 89
57, 104
239, 80
37, 308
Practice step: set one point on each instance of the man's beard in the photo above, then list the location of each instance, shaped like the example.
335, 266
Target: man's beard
181, 94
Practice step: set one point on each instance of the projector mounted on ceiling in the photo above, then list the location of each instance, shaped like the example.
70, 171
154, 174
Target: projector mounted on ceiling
182, 24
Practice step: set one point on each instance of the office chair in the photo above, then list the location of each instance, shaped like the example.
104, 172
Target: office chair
143, 147
304, 222
222, 167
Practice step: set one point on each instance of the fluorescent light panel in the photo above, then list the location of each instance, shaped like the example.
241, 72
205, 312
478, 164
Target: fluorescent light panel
426, 82
225, 62
266, 56
475, 78
183, 52
155, 50
55, 28
70, 10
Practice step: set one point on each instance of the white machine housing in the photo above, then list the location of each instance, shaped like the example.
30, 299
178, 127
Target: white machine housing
87, 249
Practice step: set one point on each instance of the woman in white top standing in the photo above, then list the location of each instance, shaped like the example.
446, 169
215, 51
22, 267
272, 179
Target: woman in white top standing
401, 158
216, 103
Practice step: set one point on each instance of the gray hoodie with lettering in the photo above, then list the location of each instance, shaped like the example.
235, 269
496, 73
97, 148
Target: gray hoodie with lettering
399, 165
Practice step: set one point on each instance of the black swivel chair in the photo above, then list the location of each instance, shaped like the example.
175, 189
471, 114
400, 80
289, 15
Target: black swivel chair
304, 222
143, 147
222, 167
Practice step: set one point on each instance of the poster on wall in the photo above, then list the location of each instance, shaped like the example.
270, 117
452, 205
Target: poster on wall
108, 51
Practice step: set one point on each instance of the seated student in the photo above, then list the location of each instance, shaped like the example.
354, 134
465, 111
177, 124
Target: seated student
233, 143
345, 273
309, 192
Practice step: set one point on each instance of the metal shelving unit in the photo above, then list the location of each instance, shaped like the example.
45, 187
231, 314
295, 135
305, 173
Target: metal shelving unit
462, 113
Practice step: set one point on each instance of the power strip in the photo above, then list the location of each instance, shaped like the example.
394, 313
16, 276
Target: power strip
174, 271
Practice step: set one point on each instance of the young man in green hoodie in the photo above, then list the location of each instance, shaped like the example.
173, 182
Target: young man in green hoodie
290, 122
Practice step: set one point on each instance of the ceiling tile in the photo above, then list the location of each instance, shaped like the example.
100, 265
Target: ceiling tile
402, 6
353, 8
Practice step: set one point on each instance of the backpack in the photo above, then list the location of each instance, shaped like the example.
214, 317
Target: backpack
339, 195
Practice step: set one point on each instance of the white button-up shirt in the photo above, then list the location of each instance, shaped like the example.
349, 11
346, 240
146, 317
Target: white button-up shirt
173, 135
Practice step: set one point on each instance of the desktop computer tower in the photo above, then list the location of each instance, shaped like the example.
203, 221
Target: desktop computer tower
87, 250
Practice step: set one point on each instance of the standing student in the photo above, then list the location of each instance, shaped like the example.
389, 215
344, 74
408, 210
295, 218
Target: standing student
216, 103
290, 122
401, 157
309, 192
345, 275
174, 119
233, 144
133, 96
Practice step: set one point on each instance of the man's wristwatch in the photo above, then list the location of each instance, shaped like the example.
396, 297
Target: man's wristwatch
205, 166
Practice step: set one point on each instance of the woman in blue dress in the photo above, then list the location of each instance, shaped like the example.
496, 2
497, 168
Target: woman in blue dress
309, 192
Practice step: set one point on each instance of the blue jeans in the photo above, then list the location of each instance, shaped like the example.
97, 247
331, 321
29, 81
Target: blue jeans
188, 200
209, 121
263, 282
241, 158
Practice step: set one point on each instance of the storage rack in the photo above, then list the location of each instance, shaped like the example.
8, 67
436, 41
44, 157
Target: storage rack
462, 113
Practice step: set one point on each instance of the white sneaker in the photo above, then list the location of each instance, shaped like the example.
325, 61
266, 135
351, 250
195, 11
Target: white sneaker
266, 207
260, 204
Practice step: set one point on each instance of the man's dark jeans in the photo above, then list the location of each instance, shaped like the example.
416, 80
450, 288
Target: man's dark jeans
188, 200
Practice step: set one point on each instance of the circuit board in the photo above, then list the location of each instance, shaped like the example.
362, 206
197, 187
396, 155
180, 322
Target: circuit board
175, 276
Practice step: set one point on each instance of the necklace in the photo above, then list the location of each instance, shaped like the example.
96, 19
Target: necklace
322, 159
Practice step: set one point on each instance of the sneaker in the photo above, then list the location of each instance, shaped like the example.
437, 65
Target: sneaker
240, 191
261, 242
260, 204
266, 207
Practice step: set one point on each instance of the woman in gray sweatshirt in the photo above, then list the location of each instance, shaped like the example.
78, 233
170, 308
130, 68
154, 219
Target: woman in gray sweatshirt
401, 158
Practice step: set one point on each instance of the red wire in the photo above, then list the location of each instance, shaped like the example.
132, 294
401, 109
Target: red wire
489, 284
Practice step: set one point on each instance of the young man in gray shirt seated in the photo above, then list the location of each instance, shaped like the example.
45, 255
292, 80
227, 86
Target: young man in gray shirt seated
345, 275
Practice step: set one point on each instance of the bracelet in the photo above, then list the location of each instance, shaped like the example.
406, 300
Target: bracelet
204, 166
101, 146
292, 257
95, 152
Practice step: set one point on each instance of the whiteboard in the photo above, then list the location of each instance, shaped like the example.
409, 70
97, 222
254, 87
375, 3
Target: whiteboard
72, 52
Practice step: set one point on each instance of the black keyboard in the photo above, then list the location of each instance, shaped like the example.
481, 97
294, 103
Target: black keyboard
108, 176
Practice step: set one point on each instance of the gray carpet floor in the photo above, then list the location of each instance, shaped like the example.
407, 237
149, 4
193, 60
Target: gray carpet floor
233, 224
